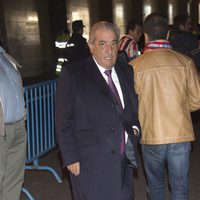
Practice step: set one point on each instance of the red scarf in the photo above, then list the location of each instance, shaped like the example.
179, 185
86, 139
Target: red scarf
157, 44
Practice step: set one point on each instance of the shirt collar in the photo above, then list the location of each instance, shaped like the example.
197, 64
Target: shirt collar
102, 69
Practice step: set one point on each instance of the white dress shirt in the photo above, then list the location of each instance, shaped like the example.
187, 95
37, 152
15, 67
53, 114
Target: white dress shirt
119, 90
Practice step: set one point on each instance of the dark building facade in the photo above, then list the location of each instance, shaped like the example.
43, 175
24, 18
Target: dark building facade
28, 28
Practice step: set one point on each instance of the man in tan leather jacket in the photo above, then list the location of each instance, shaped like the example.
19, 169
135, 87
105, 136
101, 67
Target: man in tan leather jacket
168, 88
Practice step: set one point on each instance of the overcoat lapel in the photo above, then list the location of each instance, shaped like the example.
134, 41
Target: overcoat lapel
96, 76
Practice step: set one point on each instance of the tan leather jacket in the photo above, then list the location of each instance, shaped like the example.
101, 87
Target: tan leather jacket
168, 88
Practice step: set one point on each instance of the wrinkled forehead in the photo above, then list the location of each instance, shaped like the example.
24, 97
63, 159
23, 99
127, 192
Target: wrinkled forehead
105, 34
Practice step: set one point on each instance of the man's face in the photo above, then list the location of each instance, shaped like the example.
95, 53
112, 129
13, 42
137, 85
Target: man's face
105, 47
187, 27
136, 33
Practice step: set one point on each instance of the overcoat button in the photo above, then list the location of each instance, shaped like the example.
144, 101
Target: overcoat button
112, 129
112, 151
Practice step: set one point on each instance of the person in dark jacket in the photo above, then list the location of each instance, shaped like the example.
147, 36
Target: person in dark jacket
97, 131
182, 39
77, 47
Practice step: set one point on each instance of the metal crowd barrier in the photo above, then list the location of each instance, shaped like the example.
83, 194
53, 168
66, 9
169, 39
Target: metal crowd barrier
39, 100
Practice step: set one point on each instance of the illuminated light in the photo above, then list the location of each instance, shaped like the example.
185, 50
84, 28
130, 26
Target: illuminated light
188, 7
199, 13
75, 16
60, 45
70, 45
82, 13
170, 14
147, 10
58, 69
119, 11
119, 16
32, 18
61, 59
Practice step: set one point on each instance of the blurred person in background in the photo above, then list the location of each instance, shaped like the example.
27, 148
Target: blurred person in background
77, 46
128, 45
61, 44
182, 39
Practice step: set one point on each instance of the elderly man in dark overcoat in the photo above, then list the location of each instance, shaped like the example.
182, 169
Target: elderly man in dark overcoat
97, 130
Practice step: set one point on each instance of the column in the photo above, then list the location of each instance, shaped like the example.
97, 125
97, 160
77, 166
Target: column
160, 6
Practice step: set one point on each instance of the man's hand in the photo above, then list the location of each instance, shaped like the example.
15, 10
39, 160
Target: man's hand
74, 168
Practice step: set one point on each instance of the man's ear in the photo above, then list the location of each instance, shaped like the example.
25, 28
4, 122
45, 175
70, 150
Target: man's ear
91, 47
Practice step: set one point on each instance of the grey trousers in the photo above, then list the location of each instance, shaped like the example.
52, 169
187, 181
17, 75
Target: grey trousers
12, 160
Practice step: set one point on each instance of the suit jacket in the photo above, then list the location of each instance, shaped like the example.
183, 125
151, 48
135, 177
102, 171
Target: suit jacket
89, 127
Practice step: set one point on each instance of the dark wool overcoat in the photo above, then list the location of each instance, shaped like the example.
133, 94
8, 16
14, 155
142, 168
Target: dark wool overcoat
89, 127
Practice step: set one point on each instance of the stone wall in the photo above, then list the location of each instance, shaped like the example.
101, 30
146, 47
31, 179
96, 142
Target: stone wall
28, 28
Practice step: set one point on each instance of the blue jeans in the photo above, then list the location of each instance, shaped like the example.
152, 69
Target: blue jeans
177, 157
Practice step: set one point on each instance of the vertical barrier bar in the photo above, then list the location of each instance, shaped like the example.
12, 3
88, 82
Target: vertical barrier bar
27, 125
32, 122
40, 116
45, 121
36, 121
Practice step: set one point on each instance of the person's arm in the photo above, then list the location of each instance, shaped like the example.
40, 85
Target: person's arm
132, 50
136, 129
64, 120
193, 83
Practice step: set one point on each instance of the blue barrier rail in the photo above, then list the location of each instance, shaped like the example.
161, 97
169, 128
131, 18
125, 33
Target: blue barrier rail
39, 100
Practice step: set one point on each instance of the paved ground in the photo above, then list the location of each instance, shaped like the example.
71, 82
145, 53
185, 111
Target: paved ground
43, 185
